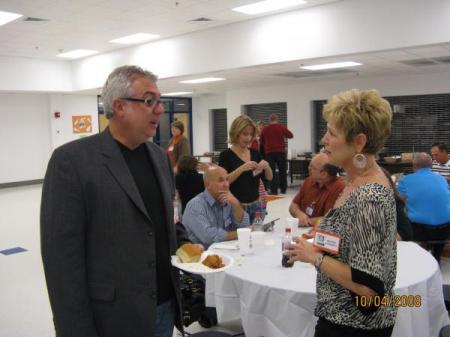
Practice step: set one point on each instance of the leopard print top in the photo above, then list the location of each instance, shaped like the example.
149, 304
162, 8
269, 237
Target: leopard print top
366, 223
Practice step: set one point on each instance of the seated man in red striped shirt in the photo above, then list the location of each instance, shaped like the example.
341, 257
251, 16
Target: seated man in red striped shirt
319, 191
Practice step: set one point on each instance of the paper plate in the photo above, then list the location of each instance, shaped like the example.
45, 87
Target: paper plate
227, 245
199, 268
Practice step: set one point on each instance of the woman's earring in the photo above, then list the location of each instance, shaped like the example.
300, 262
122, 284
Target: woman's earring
360, 161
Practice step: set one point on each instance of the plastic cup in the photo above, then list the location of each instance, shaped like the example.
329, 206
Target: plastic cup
278, 229
258, 241
244, 239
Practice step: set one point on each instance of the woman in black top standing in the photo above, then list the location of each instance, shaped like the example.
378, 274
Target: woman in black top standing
245, 165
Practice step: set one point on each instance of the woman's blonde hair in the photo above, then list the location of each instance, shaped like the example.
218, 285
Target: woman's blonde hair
361, 111
239, 123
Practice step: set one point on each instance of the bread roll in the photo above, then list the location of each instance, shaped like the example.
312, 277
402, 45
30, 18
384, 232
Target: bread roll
189, 253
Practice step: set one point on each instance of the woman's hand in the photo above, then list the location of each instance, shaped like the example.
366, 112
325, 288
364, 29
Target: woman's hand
302, 251
263, 165
249, 166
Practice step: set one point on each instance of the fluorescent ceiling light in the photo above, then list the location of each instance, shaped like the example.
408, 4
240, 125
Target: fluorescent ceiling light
6, 17
204, 80
177, 93
77, 53
331, 65
268, 6
135, 38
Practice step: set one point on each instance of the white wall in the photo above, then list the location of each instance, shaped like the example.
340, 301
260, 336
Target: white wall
68, 106
345, 27
300, 96
202, 122
25, 74
24, 137
29, 132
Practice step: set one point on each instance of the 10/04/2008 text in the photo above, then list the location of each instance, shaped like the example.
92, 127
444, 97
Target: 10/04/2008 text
388, 301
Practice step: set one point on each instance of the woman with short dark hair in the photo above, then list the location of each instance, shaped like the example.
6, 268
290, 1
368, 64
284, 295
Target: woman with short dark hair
178, 144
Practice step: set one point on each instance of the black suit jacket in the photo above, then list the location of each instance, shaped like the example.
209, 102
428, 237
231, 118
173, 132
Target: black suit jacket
98, 242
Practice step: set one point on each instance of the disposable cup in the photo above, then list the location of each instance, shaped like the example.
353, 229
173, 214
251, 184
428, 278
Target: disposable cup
244, 239
258, 241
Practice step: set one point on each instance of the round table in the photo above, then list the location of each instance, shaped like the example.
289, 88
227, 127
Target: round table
273, 301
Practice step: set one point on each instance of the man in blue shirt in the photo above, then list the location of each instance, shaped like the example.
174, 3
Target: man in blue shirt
215, 214
427, 202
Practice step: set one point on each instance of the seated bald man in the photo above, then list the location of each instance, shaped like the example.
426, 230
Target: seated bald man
319, 191
427, 202
215, 214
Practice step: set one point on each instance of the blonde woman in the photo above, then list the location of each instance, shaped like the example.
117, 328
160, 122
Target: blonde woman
244, 165
364, 264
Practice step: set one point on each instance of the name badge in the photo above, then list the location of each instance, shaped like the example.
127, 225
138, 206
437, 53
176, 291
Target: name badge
327, 241
309, 211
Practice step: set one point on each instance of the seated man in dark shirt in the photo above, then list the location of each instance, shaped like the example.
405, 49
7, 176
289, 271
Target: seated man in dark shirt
318, 192
188, 181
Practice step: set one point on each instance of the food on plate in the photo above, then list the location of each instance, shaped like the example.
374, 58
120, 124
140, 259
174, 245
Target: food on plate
189, 253
213, 261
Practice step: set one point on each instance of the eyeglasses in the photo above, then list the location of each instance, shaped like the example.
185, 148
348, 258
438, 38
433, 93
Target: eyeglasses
150, 102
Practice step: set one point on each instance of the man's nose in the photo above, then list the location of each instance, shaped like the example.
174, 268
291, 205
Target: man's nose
158, 109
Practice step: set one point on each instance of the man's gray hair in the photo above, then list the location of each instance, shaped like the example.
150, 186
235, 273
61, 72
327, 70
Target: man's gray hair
119, 84
422, 160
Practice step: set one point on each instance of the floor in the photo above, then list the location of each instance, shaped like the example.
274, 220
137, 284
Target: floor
24, 309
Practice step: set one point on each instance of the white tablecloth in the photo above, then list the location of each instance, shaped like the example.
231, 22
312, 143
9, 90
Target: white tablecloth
273, 301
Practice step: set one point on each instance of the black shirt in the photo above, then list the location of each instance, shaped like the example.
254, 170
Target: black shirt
189, 184
246, 187
141, 168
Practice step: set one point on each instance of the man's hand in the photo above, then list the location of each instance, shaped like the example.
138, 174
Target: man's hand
227, 197
303, 220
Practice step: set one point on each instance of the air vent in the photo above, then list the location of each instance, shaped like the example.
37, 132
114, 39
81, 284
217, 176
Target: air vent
302, 74
202, 19
31, 19
419, 62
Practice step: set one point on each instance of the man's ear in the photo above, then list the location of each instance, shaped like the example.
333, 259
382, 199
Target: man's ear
118, 107
360, 142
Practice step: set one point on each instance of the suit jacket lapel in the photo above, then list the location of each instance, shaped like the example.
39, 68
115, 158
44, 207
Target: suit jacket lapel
116, 164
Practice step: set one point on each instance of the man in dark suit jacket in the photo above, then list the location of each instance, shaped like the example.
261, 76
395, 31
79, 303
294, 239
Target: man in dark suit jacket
107, 230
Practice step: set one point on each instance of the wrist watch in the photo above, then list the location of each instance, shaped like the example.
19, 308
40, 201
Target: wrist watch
318, 261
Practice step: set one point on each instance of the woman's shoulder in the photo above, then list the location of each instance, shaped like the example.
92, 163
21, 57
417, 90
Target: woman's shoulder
226, 152
373, 191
